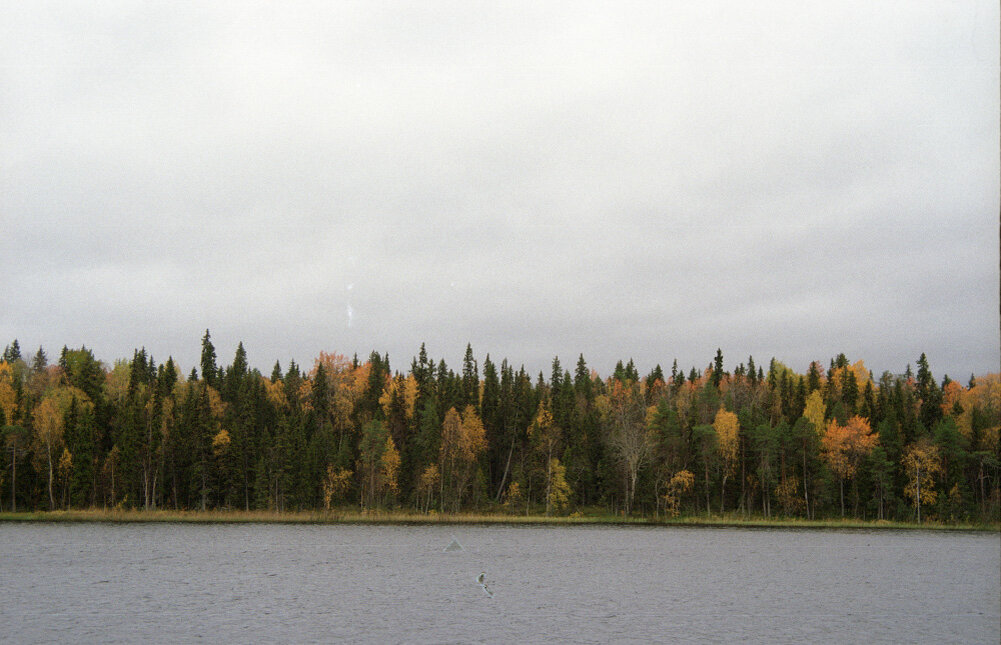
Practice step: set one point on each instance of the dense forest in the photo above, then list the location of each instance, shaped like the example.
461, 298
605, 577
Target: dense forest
830, 442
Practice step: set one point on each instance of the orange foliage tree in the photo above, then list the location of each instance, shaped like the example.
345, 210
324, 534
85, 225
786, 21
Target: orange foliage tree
844, 447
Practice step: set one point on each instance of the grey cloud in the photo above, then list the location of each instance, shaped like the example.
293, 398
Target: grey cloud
648, 181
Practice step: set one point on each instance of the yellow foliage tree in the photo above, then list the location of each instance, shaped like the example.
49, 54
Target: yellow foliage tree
65, 469
463, 439
815, 411
8, 397
787, 493
512, 496
861, 373
116, 382
545, 436
220, 443
405, 387
628, 434
335, 484
681, 483
48, 438
275, 393
426, 485
390, 468
559, 489
727, 427
921, 463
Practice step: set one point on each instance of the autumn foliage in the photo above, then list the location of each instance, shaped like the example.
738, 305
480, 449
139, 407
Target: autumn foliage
757, 438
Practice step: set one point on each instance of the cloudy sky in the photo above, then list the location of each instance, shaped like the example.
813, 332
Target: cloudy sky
650, 180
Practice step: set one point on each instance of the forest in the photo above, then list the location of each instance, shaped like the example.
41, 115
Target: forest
761, 440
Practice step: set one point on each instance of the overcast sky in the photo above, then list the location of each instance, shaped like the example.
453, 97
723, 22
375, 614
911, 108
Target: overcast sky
650, 180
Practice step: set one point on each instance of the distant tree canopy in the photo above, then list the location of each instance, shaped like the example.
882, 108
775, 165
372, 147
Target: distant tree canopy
826, 443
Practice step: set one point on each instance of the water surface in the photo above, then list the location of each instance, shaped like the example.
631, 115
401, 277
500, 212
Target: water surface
308, 583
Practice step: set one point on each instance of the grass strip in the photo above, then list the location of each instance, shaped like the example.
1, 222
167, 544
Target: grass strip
354, 516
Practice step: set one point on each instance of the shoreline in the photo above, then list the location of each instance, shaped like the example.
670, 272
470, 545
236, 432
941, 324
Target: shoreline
410, 518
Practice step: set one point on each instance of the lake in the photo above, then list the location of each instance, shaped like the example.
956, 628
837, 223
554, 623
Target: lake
593, 584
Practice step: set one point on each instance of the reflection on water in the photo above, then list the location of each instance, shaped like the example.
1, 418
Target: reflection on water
302, 583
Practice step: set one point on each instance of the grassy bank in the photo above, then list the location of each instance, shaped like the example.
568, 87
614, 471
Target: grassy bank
403, 517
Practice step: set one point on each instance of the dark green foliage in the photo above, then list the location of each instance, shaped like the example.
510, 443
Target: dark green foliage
717, 373
229, 438
12, 352
209, 369
40, 361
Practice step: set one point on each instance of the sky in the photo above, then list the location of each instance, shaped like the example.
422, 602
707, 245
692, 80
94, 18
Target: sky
645, 180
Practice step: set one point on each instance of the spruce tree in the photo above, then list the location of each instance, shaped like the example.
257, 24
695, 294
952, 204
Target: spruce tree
208, 363
470, 393
812, 378
582, 384
631, 372
41, 361
620, 372
929, 395
717, 375
12, 352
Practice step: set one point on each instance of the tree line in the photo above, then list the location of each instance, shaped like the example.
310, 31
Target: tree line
830, 442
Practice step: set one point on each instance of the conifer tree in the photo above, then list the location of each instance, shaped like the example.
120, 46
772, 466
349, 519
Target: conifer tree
41, 361
717, 375
12, 352
470, 392
208, 362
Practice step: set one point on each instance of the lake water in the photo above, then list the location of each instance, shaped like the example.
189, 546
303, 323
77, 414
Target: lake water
309, 583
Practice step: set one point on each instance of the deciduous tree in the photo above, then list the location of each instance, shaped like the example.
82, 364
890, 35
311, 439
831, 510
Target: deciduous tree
921, 463
844, 447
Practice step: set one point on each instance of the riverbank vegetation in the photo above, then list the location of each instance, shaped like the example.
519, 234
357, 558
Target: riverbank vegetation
411, 517
352, 440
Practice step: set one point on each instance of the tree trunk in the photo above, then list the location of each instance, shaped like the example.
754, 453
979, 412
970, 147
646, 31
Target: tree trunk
707, 490
13, 479
632, 489
743, 479
507, 466
153, 491
806, 490
52, 500
549, 483
842, 484
983, 491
